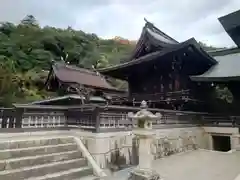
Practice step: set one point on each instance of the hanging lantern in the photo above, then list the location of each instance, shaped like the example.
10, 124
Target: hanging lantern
168, 100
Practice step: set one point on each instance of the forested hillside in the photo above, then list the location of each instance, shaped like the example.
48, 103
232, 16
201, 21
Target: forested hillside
26, 51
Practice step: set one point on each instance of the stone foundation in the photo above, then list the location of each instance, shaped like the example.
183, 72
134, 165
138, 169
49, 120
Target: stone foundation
117, 150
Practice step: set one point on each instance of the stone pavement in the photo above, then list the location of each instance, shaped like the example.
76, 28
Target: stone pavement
194, 165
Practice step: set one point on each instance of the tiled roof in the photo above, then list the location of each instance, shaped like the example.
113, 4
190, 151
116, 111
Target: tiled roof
226, 69
153, 37
155, 55
73, 74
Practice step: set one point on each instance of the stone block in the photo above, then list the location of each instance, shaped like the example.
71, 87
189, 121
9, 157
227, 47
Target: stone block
144, 174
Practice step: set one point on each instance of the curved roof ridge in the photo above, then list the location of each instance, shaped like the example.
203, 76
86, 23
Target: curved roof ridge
154, 36
156, 30
75, 68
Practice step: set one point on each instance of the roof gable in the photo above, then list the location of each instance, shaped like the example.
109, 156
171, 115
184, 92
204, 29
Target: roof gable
152, 37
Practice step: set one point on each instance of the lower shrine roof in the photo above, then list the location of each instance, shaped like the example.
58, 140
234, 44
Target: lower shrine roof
227, 68
72, 74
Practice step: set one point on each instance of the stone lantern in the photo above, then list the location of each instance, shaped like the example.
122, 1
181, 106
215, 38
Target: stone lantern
145, 134
144, 117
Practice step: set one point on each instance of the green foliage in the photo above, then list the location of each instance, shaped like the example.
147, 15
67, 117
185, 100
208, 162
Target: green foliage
26, 51
224, 94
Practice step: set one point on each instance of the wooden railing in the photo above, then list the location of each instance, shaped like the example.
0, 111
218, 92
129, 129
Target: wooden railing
102, 118
175, 95
32, 117
114, 118
7, 118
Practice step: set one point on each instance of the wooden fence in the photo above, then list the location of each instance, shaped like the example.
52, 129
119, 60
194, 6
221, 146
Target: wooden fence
101, 118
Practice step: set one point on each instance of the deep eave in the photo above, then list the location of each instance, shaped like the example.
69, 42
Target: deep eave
230, 21
71, 96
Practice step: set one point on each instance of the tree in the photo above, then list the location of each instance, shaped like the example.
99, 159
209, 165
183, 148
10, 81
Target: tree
7, 28
102, 62
224, 94
8, 84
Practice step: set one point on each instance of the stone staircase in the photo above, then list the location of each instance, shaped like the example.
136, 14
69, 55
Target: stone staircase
43, 159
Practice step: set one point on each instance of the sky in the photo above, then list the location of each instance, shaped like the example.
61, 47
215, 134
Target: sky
181, 19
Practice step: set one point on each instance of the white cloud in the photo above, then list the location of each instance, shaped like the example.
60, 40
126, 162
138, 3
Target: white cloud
181, 19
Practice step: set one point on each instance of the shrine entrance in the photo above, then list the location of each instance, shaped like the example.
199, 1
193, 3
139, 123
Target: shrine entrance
221, 143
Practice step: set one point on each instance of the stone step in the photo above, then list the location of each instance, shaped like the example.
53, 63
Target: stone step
38, 160
15, 144
43, 170
76, 173
33, 151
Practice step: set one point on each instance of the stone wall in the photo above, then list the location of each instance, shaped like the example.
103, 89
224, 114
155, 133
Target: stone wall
171, 141
120, 149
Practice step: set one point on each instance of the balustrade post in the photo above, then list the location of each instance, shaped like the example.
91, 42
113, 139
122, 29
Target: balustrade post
12, 115
66, 114
19, 115
5, 118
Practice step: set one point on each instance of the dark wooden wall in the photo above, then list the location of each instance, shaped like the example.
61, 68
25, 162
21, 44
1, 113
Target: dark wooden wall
161, 77
170, 75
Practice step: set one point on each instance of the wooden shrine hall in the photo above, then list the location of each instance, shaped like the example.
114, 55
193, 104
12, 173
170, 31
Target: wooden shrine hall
160, 67
74, 85
175, 75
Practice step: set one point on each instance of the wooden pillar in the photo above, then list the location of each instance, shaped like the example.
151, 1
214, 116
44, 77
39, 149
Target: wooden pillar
66, 114
12, 115
96, 117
